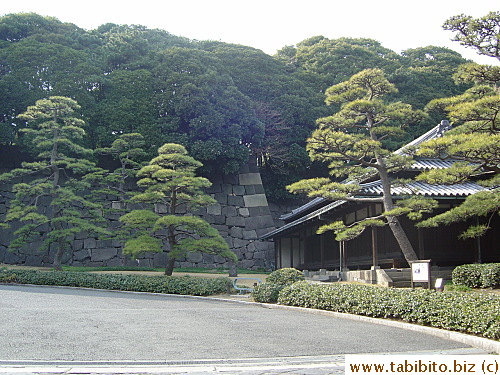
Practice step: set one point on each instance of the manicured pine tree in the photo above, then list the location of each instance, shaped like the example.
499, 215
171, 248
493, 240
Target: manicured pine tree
351, 141
474, 141
170, 184
50, 204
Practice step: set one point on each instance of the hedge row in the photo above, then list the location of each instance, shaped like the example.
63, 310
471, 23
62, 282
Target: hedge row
268, 292
472, 313
477, 275
139, 283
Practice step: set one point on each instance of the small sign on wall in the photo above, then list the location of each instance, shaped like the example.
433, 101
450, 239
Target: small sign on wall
421, 272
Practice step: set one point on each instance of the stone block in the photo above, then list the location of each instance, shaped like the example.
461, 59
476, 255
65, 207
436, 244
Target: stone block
238, 243
259, 255
219, 220
255, 200
161, 208
244, 212
236, 221
258, 211
104, 243
250, 189
250, 235
81, 255
229, 211
194, 257
214, 209
227, 189
214, 189
160, 259
259, 189
100, 255
247, 264
264, 246
238, 190
77, 245
33, 261
250, 179
114, 262
236, 232
234, 200
221, 198
218, 259
257, 222
262, 231
89, 243
209, 219
208, 259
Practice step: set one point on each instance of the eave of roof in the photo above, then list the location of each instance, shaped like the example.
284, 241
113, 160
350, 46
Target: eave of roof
423, 164
459, 191
424, 189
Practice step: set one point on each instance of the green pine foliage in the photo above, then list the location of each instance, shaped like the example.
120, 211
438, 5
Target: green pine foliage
352, 143
169, 183
474, 141
53, 181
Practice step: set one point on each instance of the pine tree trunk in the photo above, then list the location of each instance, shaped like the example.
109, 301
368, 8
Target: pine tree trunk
394, 224
58, 256
169, 267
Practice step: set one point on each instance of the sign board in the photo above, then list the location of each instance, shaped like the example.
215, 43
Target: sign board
421, 272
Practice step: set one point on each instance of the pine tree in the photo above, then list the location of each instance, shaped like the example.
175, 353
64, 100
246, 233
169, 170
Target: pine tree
352, 143
474, 141
170, 184
51, 205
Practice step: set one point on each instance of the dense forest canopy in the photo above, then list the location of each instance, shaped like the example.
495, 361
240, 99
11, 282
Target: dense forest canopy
221, 101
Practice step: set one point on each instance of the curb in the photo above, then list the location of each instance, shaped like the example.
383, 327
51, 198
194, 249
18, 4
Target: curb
474, 341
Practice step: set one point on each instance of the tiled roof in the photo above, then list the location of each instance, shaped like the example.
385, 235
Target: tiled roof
424, 189
424, 164
319, 206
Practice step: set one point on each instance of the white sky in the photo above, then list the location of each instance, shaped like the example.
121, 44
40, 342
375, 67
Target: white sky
272, 24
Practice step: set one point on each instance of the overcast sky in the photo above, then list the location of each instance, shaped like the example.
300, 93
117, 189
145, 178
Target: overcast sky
272, 24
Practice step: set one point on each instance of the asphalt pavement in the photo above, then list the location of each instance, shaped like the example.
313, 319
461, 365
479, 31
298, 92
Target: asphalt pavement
61, 329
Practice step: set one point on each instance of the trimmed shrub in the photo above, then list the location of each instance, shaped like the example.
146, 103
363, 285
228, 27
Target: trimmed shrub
285, 276
477, 275
268, 292
139, 283
472, 313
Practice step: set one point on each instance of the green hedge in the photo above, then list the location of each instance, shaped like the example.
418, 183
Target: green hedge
268, 292
477, 275
472, 313
139, 283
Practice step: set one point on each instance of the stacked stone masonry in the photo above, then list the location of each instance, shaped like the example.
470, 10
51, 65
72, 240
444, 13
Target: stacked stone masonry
241, 215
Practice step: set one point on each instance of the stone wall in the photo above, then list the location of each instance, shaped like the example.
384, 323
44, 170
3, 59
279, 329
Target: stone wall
241, 215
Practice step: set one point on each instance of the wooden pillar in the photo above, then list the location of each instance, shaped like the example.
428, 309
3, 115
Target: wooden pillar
421, 243
374, 247
322, 249
372, 212
279, 260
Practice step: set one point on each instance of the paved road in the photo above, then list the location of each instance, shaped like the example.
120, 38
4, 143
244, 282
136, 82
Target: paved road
50, 325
